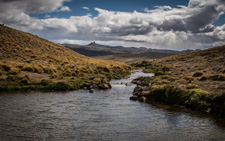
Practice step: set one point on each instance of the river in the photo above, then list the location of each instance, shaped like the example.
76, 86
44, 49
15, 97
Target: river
103, 115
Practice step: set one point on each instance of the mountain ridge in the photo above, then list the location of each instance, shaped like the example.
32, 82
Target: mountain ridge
120, 53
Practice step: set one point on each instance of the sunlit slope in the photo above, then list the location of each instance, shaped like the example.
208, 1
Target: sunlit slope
23, 52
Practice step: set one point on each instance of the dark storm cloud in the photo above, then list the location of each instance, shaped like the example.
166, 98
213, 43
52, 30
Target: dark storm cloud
197, 16
131, 30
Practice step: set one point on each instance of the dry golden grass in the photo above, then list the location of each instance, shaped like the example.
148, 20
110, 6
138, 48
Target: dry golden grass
23, 52
203, 68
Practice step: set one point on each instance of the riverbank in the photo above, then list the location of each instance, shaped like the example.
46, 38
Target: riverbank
149, 90
41, 82
195, 80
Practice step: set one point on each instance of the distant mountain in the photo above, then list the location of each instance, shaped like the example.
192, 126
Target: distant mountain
120, 53
189, 50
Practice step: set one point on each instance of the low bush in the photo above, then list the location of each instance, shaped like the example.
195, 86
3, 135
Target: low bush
76, 84
189, 78
14, 71
57, 86
203, 78
199, 99
6, 68
216, 77
27, 67
197, 74
191, 86
157, 73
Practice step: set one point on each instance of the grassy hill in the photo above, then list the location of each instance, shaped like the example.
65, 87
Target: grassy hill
27, 57
193, 79
118, 53
204, 68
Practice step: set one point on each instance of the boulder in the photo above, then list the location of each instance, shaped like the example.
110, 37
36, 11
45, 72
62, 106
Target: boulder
91, 90
87, 85
143, 99
134, 98
93, 86
144, 93
128, 84
103, 86
110, 86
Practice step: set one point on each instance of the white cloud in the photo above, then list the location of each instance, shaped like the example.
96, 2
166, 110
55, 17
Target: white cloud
86, 8
183, 27
47, 16
64, 8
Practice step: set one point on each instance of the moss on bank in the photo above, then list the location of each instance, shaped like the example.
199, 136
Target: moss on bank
151, 89
56, 86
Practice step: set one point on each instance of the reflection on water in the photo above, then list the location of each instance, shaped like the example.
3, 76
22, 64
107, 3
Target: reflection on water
103, 115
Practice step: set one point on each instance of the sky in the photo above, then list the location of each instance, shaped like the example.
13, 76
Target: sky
158, 24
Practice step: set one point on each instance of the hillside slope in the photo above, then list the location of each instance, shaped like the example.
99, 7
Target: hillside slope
23, 54
194, 79
206, 68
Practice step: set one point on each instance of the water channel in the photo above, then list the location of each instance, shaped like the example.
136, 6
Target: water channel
103, 115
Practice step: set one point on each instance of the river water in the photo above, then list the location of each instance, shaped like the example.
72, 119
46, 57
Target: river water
103, 115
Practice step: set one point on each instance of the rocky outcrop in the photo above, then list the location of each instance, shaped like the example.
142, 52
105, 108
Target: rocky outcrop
97, 83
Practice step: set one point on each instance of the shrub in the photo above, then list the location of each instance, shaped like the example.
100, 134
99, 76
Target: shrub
167, 94
197, 74
165, 69
6, 68
220, 77
203, 78
158, 73
11, 78
138, 89
54, 75
58, 86
223, 71
37, 69
192, 86
199, 99
14, 71
44, 82
24, 82
97, 80
189, 78
157, 86
77, 84
103, 68
27, 67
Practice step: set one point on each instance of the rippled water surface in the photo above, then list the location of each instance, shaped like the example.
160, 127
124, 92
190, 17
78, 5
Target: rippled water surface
103, 115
